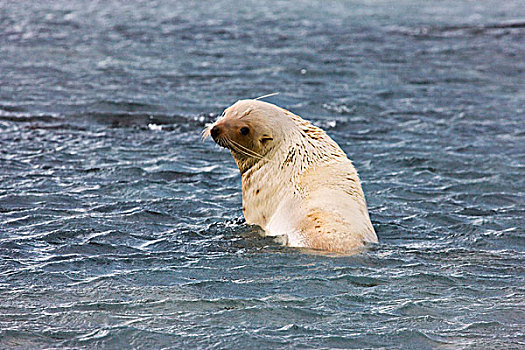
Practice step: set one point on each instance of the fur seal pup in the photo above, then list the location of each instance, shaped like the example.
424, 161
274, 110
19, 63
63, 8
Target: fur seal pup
296, 181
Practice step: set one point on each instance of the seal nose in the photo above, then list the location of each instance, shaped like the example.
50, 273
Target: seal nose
214, 132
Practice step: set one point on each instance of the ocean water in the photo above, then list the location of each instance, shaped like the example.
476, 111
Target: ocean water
121, 228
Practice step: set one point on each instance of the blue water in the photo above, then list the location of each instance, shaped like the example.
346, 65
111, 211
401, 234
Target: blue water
120, 228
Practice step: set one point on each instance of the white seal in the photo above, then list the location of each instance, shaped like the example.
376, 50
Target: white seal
296, 181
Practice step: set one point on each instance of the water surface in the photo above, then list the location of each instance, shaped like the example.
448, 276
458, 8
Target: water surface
120, 228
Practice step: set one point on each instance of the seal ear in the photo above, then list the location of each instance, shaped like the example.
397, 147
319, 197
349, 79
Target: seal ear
265, 139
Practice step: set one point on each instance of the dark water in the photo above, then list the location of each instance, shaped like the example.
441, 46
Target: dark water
120, 228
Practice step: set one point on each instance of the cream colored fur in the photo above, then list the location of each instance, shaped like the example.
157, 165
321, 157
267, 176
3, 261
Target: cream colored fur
296, 181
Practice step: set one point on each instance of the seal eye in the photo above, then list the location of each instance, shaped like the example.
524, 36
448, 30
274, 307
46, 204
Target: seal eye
245, 130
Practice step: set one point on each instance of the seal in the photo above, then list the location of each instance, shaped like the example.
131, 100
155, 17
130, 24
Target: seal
296, 181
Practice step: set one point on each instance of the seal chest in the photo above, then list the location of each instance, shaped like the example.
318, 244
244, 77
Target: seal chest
296, 181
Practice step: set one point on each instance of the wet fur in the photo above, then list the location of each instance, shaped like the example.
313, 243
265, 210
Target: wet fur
296, 181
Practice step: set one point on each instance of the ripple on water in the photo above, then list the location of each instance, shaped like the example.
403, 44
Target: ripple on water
119, 227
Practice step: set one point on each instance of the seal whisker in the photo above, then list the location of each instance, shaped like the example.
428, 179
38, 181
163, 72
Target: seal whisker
236, 148
227, 143
255, 154
206, 132
230, 145
245, 150
268, 95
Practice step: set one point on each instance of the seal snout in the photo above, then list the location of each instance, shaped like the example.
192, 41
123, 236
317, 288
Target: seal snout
215, 132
